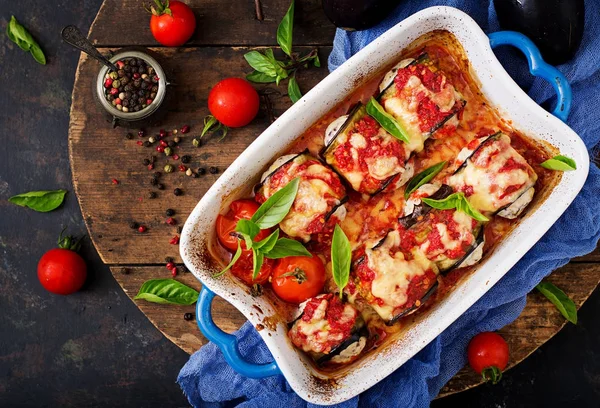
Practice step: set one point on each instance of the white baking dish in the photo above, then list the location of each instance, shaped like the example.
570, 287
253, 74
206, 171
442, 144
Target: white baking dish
499, 89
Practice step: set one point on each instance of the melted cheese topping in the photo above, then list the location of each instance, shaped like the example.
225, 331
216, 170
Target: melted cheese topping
409, 119
488, 182
393, 274
464, 228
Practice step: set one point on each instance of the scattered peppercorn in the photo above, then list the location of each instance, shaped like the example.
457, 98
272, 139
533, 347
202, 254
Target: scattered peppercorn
152, 139
171, 221
168, 259
146, 144
146, 162
168, 151
162, 133
129, 136
175, 156
201, 171
174, 240
195, 175
168, 168
175, 131
151, 195
185, 129
170, 265
134, 225
142, 228
160, 186
182, 168
171, 143
185, 159
139, 143
177, 139
170, 212
188, 172
174, 272
160, 149
141, 133
156, 174
153, 181
213, 170
188, 316
196, 142
179, 229
178, 192
151, 166
163, 143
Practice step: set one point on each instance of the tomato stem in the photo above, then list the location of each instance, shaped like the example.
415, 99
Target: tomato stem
298, 274
491, 374
69, 242
161, 8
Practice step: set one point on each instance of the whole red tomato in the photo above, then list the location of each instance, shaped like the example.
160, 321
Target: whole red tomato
297, 278
233, 102
61, 270
243, 269
488, 355
172, 23
239, 209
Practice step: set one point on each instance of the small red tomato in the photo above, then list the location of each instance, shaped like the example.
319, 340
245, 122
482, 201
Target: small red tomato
233, 102
239, 209
242, 269
488, 355
172, 23
61, 270
297, 278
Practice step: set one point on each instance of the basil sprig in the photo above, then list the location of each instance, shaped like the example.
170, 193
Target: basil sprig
560, 163
268, 69
563, 303
387, 121
456, 201
167, 291
294, 90
41, 201
341, 258
422, 178
20, 36
269, 214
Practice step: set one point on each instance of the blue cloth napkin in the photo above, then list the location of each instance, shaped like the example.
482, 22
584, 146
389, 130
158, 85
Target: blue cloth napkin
208, 381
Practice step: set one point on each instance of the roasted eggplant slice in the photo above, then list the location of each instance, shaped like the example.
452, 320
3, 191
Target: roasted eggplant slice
415, 210
494, 176
320, 193
365, 154
418, 95
393, 281
329, 330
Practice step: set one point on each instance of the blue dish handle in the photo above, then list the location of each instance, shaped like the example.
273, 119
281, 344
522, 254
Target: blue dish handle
538, 67
227, 342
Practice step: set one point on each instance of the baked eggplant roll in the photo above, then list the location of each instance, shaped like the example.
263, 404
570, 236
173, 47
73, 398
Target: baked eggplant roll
450, 238
392, 281
329, 330
320, 194
365, 154
494, 176
420, 98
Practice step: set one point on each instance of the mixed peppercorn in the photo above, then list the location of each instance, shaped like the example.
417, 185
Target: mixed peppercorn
133, 87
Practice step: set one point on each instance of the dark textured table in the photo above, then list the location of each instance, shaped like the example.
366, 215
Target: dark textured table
95, 348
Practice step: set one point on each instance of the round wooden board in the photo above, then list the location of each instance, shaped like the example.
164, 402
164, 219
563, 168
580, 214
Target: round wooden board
100, 154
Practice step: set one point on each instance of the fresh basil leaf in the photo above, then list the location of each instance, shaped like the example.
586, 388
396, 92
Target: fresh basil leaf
387, 121
272, 211
284, 31
235, 258
41, 201
20, 36
316, 61
268, 243
422, 178
261, 63
260, 78
456, 201
285, 247
167, 291
247, 227
341, 258
562, 302
294, 90
560, 163
257, 261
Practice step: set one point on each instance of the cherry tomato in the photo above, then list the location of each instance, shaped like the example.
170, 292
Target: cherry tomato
233, 102
488, 355
297, 278
240, 209
61, 270
242, 269
173, 23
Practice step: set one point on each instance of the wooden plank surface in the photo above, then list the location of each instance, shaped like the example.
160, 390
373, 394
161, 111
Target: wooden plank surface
218, 22
100, 154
